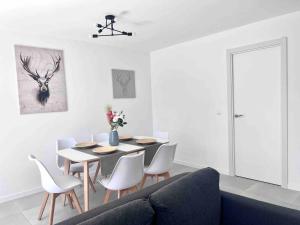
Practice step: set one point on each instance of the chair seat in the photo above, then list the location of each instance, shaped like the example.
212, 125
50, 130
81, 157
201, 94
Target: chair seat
104, 182
114, 187
150, 171
67, 183
76, 167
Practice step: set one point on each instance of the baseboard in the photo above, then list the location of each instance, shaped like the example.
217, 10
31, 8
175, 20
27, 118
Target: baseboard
21, 194
190, 164
32, 191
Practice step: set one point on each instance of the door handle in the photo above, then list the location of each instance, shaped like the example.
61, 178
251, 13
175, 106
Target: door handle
238, 115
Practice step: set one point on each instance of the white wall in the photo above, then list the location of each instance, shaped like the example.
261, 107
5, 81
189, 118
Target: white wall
189, 92
89, 90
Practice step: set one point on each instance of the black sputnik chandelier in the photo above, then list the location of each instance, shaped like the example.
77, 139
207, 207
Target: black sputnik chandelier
109, 25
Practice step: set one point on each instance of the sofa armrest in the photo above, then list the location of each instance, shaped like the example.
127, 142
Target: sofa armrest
239, 210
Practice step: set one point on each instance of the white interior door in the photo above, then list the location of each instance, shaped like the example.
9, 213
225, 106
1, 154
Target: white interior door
257, 109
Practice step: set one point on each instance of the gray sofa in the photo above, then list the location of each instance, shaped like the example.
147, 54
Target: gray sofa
187, 199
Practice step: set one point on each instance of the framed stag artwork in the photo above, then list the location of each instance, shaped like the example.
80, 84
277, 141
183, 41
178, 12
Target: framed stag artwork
123, 83
41, 80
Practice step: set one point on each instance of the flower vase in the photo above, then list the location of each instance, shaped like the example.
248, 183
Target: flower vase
114, 138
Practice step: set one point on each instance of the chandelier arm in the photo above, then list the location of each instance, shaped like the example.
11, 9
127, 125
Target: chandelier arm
114, 30
103, 35
106, 26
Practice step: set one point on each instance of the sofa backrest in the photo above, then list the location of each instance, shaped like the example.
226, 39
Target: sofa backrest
143, 194
240, 210
192, 200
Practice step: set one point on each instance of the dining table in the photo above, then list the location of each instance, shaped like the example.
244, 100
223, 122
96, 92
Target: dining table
107, 161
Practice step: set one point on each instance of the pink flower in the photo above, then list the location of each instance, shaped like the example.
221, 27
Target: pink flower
109, 116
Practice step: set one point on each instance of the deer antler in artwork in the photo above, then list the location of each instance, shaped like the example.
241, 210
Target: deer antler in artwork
43, 94
25, 63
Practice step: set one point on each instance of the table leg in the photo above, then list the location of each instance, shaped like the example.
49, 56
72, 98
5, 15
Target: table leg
97, 172
86, 185
67, 164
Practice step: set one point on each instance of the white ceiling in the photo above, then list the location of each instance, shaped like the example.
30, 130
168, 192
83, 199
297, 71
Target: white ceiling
155, 23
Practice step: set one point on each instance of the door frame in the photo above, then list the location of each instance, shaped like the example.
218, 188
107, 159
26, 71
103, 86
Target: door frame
282, 43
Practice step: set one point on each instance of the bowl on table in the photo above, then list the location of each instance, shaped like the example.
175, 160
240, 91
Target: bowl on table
85, 145
125, 138
146, 141
105, 150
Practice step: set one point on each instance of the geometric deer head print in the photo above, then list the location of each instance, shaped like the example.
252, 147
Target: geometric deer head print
123, 83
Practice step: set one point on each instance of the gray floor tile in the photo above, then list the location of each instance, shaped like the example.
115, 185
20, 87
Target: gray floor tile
177, 169
61, 213
29, 202
8, 208
235, 185
296, 202
272, 192
16, 219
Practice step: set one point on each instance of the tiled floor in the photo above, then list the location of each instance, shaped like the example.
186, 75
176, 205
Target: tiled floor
24, 211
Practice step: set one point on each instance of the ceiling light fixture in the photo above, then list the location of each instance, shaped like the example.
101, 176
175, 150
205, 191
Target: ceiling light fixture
109, 25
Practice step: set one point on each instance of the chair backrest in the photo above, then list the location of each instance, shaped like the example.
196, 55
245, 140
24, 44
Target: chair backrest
62, 144
161, 134
100, 137
128, 171
163, 159
47, 180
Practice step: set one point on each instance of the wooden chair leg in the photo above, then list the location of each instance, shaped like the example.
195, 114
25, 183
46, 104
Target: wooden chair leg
157, 178
133, 189
143, 181
76, 202
167, 175
65, 199
45, 199
91, 184
97, 172
70, 201
78, 174
52, 208
107, 195
122, 192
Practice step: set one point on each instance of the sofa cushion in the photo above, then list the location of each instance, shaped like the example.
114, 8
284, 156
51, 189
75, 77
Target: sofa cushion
137, 212
192, 200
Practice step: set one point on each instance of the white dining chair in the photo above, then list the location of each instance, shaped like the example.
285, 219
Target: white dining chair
55, 186
75, 168
126, 175
161, 134
161, 163
99, 137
